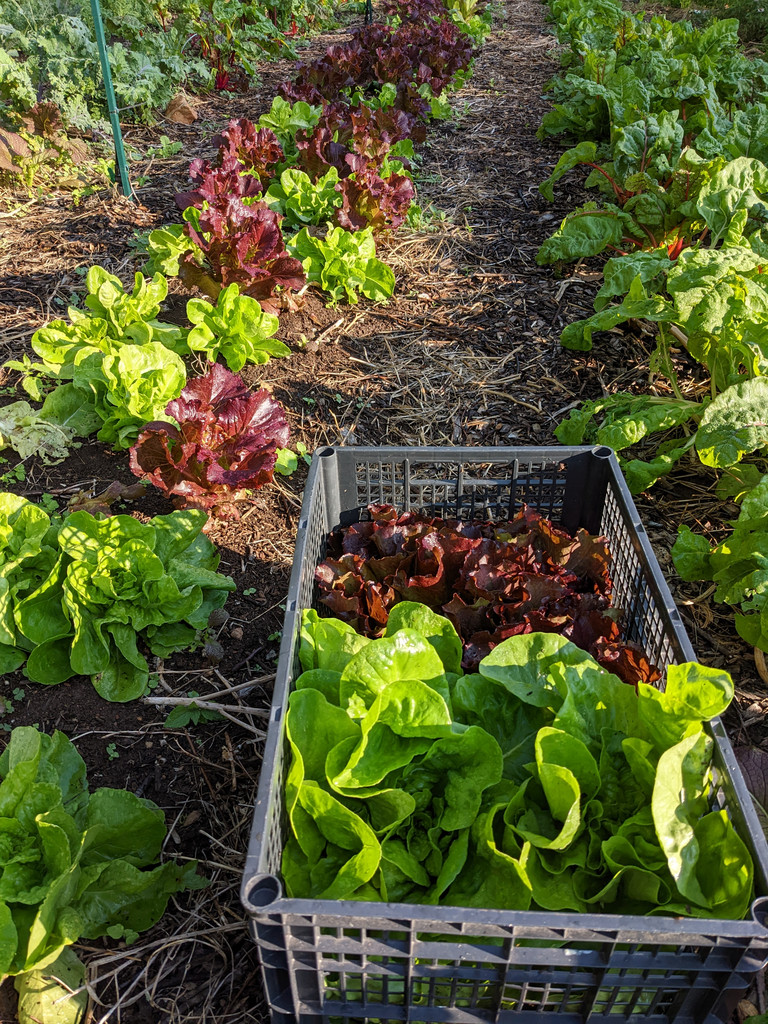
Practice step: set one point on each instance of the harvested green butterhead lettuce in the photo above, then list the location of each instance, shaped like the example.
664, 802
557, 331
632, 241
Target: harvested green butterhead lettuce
541, 782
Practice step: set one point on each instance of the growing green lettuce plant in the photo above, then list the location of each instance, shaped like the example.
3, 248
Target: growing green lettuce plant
541, 782
73, 865
286, 119
343, 264
79, 594
236, 328
302, 201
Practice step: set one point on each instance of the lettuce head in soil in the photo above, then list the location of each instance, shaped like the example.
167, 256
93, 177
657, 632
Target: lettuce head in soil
542, 781
73, 865
224, 442
82, 595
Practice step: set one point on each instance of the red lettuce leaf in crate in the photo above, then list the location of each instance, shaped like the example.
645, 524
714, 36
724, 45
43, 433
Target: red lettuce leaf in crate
224, 442
369, 200
492, 581
242, 243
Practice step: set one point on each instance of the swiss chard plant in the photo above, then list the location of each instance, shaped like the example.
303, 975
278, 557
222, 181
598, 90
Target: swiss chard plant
74, 865
86, 596
540, 782
738, 564
344, 264
222, 442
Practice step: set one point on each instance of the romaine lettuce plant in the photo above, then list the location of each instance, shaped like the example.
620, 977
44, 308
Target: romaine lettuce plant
80, 593
224, 441
236, 328
112, 315
73, 865
343, 264
542, 782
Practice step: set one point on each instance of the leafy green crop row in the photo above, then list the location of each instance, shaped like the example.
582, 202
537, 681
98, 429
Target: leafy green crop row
49, 51
672, 121
334, 152
73, 865
77, 594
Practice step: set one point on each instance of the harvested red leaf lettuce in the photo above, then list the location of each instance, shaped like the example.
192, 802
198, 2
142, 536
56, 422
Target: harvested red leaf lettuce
224, 442
491, 580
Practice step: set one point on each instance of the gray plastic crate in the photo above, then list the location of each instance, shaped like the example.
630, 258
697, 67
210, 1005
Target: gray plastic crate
338, 961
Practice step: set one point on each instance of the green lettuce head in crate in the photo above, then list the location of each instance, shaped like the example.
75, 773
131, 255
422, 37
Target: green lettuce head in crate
541, 782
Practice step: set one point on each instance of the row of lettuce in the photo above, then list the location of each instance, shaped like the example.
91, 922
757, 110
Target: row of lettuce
295, 200
115, 368
673, 122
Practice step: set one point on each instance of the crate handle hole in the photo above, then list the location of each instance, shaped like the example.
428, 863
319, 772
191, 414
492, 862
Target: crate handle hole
759, 910
261, 891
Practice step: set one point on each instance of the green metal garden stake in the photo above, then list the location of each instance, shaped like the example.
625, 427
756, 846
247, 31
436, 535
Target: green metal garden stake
114, 118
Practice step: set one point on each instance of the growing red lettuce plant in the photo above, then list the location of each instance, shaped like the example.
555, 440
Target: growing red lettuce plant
492, 580
257, 150
240, 243
224, 442
416, 53
374, 132
244, 165
217, 184
368, 200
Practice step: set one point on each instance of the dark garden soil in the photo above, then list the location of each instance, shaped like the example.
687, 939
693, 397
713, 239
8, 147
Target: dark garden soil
466, 354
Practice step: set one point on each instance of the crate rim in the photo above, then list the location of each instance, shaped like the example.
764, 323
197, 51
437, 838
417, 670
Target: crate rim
354, 913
